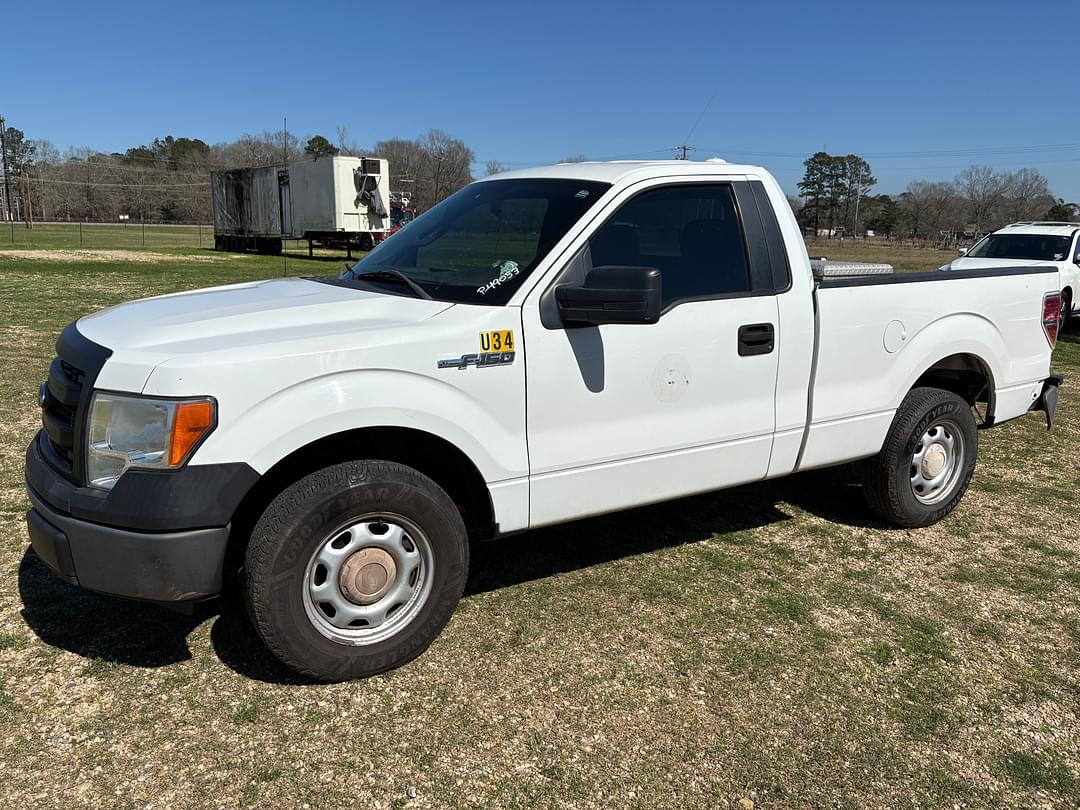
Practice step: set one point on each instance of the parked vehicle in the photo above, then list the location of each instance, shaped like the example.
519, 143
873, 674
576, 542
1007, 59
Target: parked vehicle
1055, 244
542, 346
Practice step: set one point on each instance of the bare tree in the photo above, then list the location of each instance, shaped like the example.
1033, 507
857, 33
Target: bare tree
346, 145
929, 208
1025, 195
980, 188
493, 167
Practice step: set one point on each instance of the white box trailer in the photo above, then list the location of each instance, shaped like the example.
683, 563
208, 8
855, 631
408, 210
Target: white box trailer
332, 201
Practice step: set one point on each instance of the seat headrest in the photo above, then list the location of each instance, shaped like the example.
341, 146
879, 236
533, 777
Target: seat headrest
616, 245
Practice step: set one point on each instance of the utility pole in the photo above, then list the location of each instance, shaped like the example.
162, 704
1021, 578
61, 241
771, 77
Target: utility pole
682, 151
7, 188
28, 205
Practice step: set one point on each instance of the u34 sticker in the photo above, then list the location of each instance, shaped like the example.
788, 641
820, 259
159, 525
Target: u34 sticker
501, 340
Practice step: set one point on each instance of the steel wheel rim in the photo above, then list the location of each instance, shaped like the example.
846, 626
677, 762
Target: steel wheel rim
328, 605
937, 463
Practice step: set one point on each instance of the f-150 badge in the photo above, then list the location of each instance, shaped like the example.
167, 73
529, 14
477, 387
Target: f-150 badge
496, 349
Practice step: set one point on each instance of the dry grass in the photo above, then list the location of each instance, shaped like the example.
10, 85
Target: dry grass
80, 256
771, 643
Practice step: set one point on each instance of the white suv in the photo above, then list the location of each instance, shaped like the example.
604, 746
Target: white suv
1031, 243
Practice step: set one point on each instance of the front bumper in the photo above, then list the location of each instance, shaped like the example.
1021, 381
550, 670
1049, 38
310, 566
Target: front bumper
167, 567
157, 536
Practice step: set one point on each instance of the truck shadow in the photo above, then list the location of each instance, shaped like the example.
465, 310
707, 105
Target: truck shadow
115, 631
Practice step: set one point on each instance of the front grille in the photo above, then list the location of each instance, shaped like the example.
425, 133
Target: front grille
59, 412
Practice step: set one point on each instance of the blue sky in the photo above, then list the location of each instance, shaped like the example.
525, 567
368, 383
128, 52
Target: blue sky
922, 89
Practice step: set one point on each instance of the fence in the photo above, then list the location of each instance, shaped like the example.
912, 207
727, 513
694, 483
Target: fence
105, 235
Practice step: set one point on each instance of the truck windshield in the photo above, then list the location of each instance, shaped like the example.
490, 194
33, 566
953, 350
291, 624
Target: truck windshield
478, 245
1031, 247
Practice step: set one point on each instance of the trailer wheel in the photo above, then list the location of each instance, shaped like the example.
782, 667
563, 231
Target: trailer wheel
927, 461
366, 242
355, 569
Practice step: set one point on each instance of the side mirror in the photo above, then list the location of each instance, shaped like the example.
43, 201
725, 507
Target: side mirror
611, 295
962, 251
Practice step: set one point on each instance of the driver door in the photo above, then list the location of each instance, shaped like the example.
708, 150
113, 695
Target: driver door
626, 414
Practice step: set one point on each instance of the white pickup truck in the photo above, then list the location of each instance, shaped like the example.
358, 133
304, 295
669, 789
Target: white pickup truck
1031, 243
542, 346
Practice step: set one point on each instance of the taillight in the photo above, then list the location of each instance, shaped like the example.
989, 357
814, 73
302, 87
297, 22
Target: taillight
1052, 317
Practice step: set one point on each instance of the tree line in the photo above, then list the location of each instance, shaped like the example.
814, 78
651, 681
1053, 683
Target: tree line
835, 199
168, 180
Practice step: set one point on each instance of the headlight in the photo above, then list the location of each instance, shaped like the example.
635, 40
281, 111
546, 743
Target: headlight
133, 431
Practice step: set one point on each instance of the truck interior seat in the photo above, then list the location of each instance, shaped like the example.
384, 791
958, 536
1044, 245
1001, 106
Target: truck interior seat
616, 245
713, 246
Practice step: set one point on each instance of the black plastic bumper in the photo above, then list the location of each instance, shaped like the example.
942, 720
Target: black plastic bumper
167, 567
157, 536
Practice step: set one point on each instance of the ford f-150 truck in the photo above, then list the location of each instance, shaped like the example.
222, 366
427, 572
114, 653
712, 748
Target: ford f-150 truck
542, 346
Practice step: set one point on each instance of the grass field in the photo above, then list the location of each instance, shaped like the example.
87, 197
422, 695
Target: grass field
772, 644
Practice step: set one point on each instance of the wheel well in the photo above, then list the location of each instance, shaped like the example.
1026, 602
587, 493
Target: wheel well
436, 458
966, 376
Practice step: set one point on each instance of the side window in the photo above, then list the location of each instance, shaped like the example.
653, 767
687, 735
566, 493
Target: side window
690, 233
1076, 256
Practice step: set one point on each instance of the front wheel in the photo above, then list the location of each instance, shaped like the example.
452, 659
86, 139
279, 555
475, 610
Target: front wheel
927, 461
355, 569
1066, 310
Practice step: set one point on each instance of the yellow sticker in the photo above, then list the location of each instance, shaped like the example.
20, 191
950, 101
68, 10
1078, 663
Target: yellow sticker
501, 340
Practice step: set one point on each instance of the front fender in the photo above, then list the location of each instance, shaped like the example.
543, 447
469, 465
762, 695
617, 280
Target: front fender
491, 435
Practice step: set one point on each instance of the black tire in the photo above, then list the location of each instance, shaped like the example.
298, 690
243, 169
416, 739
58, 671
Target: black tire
367, 242
888, 485
1066, 309
299, 522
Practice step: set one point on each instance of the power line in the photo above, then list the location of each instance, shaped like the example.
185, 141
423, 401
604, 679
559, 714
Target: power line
700, 116
120, 185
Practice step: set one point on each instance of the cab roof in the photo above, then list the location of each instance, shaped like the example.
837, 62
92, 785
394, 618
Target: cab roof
613, 171
1042, 228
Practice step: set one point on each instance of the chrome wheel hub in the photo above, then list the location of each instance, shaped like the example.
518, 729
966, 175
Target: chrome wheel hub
368, 579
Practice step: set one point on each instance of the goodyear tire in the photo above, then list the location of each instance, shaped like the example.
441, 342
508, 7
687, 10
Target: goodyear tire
927, 462
355, 569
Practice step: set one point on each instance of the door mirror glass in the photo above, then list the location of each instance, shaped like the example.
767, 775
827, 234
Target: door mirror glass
611, 294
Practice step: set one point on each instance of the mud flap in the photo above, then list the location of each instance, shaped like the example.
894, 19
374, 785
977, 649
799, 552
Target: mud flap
1048, 399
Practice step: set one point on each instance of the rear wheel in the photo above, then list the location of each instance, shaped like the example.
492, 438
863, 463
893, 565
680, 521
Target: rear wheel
1066, 309
355, 569
927, 461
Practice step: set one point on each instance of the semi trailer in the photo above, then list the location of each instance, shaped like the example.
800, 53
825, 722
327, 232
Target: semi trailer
331, 201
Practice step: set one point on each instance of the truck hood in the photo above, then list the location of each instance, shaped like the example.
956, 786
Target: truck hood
254, 313
972, 263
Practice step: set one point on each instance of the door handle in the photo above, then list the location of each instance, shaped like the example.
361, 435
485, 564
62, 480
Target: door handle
756, 338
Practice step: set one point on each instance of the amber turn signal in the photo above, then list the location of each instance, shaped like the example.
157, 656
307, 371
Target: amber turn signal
192, 422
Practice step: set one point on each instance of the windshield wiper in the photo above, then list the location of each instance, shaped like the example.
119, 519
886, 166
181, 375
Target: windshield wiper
394, 275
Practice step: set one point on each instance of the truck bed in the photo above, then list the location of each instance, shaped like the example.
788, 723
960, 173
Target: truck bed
877, 334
